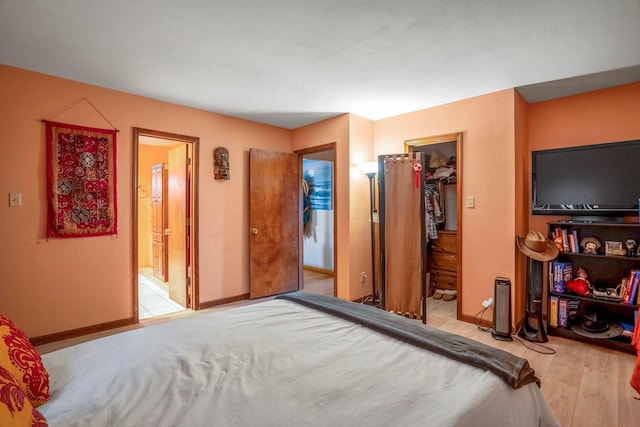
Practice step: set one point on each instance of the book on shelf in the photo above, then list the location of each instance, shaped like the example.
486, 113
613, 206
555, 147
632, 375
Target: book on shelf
572, 243
625, 289
634, 287
553, 311
631, 289
574, 233
562, 273
627, 328
627, 334
562, 312
565, 240
567, 311
573, 306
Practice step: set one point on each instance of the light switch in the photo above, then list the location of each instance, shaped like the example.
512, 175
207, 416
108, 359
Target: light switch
15, 199
470, 201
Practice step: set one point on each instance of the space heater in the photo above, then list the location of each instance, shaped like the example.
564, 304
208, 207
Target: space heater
502, 310
533, 328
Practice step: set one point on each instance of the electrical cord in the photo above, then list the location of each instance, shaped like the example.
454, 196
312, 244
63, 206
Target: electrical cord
478, 323
370, 300
547, 350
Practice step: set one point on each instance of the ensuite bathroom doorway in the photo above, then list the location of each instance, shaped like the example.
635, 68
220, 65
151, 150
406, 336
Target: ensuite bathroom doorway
165, 239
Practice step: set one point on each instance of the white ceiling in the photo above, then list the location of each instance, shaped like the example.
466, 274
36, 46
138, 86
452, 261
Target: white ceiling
291, 63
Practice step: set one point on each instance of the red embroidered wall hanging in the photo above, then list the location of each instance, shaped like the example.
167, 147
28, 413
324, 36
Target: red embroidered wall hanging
81, 181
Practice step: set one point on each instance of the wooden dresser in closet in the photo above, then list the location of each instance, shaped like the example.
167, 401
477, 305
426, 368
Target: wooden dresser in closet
444, 260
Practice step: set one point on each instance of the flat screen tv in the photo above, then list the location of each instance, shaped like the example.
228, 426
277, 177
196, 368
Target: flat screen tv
600, 181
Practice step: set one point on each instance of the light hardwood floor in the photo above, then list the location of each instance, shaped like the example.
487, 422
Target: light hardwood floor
585, 385
318, 283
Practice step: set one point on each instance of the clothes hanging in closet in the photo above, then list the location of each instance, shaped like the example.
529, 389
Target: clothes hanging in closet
433, 208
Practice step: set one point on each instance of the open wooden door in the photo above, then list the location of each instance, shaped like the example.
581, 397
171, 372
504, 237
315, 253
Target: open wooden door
177, 237
274, 223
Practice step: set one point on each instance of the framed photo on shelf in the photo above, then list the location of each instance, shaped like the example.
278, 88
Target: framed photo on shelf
612, 247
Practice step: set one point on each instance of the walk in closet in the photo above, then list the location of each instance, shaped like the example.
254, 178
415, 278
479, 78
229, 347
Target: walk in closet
420, 224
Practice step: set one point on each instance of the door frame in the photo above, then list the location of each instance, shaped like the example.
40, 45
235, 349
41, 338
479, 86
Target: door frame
315, 149
194, 221
456, 137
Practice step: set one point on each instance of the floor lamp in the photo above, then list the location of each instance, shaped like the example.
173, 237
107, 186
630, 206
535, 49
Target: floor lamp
371, 169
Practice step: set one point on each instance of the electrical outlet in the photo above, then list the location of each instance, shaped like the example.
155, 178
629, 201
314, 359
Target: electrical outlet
470, 201
363, 277
15, 199
488, 302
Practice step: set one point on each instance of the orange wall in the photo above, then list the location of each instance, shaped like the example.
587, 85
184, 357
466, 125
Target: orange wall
335, 130
606, 115
601, 116
488, 156
499, 132
54, 285
353, 136
360, 150
522, 154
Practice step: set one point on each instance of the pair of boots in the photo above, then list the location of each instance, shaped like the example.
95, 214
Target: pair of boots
445, 294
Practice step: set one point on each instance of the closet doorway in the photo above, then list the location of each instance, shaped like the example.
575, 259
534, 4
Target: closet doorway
318, 212
443, 177
165, 221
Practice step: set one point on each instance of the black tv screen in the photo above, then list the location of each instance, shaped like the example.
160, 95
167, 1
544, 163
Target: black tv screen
590, 180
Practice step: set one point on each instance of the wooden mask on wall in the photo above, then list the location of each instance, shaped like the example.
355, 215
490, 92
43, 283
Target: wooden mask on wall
221, 163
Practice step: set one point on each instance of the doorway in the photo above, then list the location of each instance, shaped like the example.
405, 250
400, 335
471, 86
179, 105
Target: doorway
165, 220
444, 258
275, 224
319, 211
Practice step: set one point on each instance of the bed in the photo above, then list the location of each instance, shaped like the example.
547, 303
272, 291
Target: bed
297, 360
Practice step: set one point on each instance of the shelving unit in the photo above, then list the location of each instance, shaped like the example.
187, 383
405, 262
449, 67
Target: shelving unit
604, 271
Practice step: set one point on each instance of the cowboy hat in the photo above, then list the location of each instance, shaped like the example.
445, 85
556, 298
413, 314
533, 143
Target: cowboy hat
535, 246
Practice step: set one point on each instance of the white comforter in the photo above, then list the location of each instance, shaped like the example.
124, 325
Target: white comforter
276, 363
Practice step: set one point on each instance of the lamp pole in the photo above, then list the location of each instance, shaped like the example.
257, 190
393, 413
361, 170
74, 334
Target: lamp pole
370, 169
371, 175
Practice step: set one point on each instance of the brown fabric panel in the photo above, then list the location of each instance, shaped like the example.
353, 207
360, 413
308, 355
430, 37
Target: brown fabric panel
403, 251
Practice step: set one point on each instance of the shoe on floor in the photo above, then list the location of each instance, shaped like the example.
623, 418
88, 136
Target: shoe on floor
449, 295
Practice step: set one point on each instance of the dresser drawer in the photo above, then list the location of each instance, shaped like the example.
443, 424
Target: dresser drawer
446, 242
444, 261
443, 279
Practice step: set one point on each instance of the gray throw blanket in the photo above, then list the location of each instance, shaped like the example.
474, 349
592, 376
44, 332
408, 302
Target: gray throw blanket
514, 370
